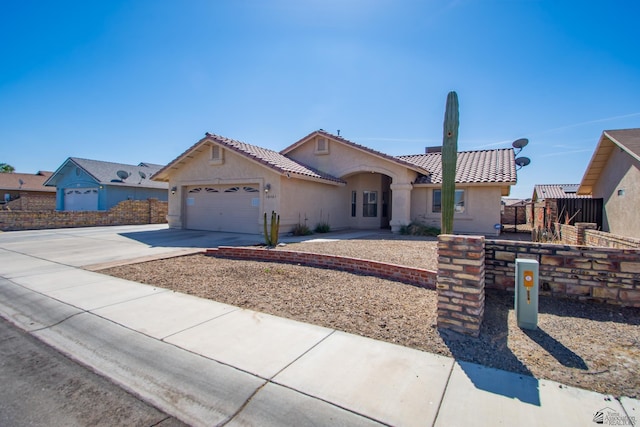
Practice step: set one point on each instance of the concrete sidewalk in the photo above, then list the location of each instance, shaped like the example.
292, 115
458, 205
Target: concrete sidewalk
209, 363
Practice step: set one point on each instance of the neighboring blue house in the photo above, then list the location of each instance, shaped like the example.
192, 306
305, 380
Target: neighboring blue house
93, 185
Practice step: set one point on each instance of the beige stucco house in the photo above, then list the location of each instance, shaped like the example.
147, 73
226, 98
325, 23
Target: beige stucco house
222, 184
613, 174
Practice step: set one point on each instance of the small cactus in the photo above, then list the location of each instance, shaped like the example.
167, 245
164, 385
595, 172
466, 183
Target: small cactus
271, 239
449, 161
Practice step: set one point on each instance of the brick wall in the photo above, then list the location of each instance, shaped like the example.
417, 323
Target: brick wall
413, 276
127, 212
586, 234
601, 238
32, 202
460, 287
577, 272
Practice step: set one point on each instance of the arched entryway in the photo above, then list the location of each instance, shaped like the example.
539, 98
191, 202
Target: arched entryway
370, 200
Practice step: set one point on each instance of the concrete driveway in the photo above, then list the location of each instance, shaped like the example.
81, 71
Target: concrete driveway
94, 247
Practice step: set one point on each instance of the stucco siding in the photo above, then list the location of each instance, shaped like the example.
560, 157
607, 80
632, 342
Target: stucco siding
310, 203
482, 209
621, 174
235, 169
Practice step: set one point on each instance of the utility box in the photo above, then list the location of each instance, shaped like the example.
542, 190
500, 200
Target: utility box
526, 300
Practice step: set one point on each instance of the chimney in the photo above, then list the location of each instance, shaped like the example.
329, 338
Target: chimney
436, 149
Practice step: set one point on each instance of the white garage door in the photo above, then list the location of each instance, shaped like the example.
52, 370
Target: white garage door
233, 208
81, 199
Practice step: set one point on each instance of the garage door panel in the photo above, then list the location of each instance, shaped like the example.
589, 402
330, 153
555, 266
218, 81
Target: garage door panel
223, 208
81, 199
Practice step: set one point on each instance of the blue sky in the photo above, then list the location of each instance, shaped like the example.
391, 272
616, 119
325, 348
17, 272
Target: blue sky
143, 80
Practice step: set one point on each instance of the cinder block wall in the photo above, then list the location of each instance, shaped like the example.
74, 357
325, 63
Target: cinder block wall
127, 212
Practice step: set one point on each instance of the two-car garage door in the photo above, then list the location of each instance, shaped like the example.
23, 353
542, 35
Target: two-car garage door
233, 208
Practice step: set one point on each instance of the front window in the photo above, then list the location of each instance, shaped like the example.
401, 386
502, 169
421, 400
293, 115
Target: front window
437, 201
370, 204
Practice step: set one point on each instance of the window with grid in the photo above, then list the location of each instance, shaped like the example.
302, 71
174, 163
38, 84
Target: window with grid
370, 204
437, 201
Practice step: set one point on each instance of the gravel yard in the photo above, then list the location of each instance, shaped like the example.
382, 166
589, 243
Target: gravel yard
587, 345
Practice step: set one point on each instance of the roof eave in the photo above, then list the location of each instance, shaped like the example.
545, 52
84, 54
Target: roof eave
314, 179
596, 164
163, 174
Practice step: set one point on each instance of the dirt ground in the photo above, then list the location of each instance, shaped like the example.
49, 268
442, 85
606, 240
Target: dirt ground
583, 344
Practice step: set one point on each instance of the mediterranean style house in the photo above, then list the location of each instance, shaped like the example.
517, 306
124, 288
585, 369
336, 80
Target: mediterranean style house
221, 184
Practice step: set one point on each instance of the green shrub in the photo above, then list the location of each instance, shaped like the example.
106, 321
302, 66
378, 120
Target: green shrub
417, 229
301, 230
322, 227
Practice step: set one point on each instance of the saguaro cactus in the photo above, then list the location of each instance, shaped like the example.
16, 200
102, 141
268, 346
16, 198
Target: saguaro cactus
271, 239
449, 161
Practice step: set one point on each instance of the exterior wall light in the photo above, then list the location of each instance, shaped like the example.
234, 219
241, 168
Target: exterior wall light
267, 187
173, 189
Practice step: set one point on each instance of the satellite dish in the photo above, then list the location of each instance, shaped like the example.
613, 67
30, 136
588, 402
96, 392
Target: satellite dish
519, 144
122, 174
142, 174
522, 161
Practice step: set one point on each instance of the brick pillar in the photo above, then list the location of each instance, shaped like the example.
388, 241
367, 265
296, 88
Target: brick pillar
460, 283
580, 229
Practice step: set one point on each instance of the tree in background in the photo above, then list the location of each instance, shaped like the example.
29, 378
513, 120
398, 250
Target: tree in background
449, 161
6, 168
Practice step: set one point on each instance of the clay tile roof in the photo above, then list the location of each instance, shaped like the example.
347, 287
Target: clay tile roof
485, 166
344, 141
273, 159
25, 181
558, 191
268, 158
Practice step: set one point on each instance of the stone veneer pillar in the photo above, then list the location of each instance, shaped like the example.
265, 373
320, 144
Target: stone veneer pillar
460, 283
581, 227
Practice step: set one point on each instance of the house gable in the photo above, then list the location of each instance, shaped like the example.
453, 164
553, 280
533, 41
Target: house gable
217, 148
341, 157
626, 140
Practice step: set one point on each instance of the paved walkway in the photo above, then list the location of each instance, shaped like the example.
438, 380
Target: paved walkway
209, 363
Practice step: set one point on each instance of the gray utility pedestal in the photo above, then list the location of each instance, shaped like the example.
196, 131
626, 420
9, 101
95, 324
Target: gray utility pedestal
526, 298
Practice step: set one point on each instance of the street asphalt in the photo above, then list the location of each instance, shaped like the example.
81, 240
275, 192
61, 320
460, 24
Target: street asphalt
207, 363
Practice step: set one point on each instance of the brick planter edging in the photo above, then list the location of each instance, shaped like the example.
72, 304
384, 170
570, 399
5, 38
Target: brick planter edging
410, 275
